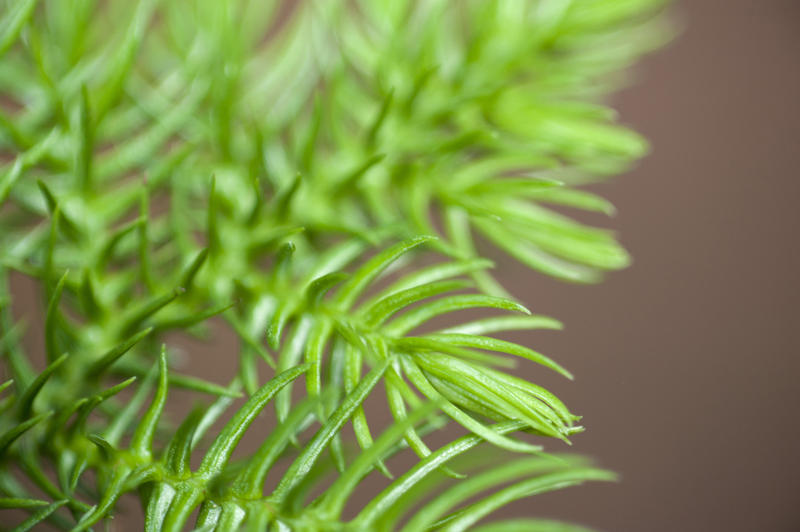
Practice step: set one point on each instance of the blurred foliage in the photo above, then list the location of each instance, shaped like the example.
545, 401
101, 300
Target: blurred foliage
315, 175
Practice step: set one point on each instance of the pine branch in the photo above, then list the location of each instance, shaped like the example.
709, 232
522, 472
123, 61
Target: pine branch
313, 176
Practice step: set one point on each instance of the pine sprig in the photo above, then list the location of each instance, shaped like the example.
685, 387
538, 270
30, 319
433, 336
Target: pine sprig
313, 176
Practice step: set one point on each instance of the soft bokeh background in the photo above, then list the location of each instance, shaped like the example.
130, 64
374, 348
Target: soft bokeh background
687, 363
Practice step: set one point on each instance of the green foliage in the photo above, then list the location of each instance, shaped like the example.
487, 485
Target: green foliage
313, 176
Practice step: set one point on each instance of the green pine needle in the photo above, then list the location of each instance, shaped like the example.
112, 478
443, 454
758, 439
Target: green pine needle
315, 179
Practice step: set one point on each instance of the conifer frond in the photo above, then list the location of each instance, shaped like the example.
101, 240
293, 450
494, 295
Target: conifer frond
317, 178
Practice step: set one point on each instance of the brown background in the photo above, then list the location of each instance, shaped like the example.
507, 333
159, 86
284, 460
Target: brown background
687, 363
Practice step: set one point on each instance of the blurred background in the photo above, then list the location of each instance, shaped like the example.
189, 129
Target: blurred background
687, 363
